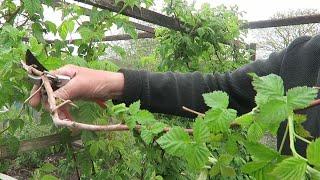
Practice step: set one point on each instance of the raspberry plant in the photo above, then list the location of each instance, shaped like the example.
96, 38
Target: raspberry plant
220, 145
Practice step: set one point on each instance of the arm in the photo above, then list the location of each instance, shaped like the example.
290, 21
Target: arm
164, 92
168, 92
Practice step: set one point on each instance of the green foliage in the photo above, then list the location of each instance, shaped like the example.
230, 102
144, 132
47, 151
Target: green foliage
202, 45
313, 153
291, 168
157, 146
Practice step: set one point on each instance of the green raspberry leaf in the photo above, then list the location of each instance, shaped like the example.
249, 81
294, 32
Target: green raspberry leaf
253, 166
146, 135
144, 117
201, 131
245, 120
150, 131
216, 99
33, 7
290, 168
260, 152
219, 120
197, 155
301, 97
65, 28
175, 142
51, 26
255, 132
272, 113
270, 86
134, 107
313, 153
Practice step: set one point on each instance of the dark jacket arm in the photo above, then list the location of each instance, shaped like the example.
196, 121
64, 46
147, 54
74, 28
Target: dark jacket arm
168, 92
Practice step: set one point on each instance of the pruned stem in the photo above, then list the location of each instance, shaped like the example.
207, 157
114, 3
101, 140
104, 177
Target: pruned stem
72, 124
193, 111
31, 96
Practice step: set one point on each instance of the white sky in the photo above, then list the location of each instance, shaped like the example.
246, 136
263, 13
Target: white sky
254, 10
263, 9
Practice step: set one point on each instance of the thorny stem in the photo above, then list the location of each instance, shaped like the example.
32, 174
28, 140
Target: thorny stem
284, 138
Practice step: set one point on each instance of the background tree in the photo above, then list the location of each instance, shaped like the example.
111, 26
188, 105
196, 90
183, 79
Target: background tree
275, 39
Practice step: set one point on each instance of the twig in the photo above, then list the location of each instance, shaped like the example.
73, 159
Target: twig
62, 104
193, 111
31, 96
70, 102
284, 138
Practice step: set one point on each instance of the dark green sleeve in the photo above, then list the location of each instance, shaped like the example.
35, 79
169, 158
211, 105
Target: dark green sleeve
168, 92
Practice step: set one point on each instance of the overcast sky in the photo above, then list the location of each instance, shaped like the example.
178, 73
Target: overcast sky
255, 10
263, 9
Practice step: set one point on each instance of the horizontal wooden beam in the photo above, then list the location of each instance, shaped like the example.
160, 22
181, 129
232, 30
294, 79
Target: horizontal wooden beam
136, 25
283, 22
175, 24
35, 144
138, 13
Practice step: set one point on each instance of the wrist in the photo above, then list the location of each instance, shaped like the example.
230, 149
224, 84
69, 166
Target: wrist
117, 86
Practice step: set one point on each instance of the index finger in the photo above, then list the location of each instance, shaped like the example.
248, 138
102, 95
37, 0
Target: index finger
68, 70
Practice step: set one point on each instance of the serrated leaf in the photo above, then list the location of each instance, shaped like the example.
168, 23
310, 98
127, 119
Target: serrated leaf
175, 141
272, 113
225, 159
150, 131
119, 108
144, 117
301, 97
260, 152
48, 168
134, 108
227, 171
147, 136
216, 99
197, 155
33, 7
255, 132
290, 169
313, 153
270, 86
219, 120
131, 122
244, 120
253, 166
201, 132
51, 26
65, 28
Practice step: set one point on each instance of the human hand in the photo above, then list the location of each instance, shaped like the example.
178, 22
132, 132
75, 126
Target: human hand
85, 84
